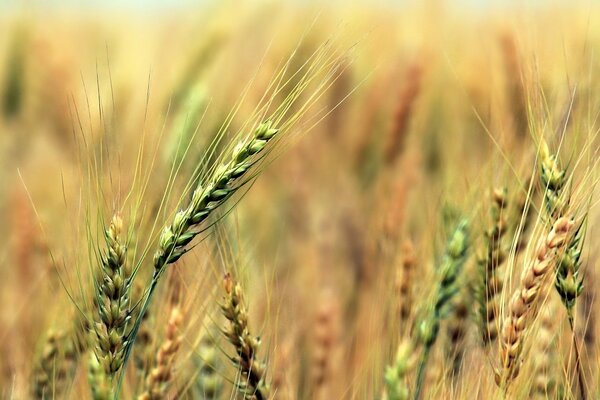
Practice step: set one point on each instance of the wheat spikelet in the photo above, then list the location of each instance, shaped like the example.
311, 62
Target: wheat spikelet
55, 366
326, 337
452, 263
544, 356
252, 382
524, 303
554, 179
98, 381
209, 382
457, 333
283, 374
175, 237
396, 385
112, 299
160, 376
404, 286
568, 282
402, 113
491, 257
516, 93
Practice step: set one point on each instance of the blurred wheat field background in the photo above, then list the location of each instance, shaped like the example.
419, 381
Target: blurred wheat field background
295, 200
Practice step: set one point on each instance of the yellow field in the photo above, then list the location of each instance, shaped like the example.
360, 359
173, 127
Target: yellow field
286, 200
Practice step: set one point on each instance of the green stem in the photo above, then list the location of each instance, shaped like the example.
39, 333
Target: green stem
421, 373
577, 355
135, 329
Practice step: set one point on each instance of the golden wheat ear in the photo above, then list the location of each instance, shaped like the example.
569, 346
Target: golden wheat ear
252, 382
524, 304
490, 258
159, 378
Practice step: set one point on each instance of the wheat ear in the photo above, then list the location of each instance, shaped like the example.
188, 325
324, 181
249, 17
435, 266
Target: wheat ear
97, 379
404, 286
544, 359
568, 283
112, 298
428, 328
209, 382
523, 306
489, 282
159, 377
252, 382
55, 365
221, 185
396, 386
176, 236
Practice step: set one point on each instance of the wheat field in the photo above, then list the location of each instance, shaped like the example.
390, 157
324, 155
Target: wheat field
299, 200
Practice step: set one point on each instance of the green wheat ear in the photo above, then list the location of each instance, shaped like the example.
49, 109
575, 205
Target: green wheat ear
396, 387
569, 282
452, 263
175, 237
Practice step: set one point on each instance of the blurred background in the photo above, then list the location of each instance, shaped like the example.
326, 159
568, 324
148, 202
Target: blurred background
433, 105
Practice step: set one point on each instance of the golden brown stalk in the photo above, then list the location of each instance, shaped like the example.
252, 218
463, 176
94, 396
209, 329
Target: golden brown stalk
159, 377
252, 382
524, 304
